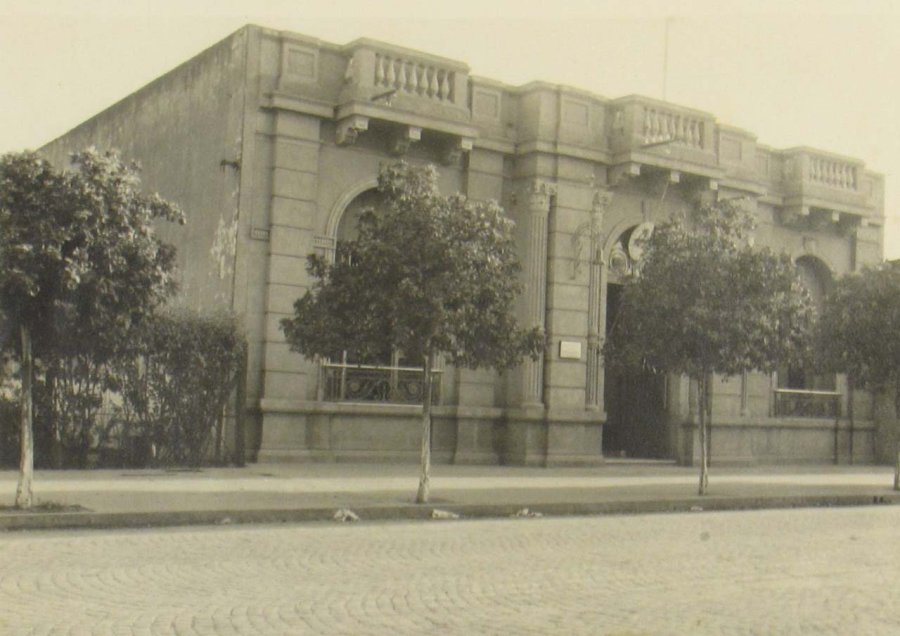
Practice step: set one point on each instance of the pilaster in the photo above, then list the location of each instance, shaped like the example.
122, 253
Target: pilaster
537, 201
294, 189
596, 306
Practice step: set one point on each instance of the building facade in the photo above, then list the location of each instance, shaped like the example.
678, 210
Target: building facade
272, 142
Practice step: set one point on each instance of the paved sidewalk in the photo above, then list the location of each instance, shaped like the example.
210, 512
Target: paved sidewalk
267, 493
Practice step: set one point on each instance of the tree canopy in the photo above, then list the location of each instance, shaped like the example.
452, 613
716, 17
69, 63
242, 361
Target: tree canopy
428, 275
705, 301
78, 253
79, 263
859, 327
858, 333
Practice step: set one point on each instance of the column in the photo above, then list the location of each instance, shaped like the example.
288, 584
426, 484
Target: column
538, 199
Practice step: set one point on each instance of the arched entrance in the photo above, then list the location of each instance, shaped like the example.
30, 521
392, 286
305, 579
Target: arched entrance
637, 422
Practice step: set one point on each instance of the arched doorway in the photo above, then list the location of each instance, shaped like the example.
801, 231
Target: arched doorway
637, 423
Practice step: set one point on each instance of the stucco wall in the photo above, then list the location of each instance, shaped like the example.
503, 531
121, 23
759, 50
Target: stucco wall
179, 128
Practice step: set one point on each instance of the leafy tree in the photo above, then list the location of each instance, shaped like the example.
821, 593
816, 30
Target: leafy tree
429, 275
79, 263
705, 302
859, 334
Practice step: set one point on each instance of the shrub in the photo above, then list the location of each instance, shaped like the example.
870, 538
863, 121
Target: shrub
175, 382
9, 412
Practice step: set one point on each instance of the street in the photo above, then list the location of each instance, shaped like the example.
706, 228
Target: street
817, 571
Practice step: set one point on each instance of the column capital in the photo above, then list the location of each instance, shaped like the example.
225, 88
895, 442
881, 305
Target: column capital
539, 192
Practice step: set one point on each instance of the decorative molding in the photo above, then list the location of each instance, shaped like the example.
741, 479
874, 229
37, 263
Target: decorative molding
591, 231
337, 210
321, 241
350, 74
259, 233
299, 64
486, 104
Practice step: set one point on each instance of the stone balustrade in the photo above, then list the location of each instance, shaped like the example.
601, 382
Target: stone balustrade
383, 70
414, 78
640, 123
831, 172
815, 179
661, 125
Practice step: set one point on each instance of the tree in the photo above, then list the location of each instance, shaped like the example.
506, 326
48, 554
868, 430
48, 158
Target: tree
428, 275
79, 263
858, 333
706, 302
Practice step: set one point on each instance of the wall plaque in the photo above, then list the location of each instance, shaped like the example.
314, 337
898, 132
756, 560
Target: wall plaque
569, 350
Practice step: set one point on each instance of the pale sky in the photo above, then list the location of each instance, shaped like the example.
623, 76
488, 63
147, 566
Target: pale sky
824, 74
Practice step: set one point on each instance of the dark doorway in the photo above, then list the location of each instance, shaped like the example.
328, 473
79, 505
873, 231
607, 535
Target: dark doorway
635, 405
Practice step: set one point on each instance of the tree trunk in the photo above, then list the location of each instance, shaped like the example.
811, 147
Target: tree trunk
56, 448
897, 469
424, 478
220, 433
240, 410
24, 494
702, 400
896, 433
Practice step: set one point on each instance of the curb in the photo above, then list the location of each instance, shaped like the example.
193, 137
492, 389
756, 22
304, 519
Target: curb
423, 512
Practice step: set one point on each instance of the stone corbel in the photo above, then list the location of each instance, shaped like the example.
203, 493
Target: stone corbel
793, 215
454, 150
348, 129
404, 137
822, 219
618, 174
848, 223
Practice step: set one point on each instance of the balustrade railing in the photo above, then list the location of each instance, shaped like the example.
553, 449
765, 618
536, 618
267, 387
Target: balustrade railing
414, 77
660, 125
813, 404
832, 172
371, 383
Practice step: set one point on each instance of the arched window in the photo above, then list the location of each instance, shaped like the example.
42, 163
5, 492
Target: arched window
816, 279
386, 377
801, 392
347, 228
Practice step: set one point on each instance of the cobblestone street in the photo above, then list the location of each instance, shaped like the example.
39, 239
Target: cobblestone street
819, 571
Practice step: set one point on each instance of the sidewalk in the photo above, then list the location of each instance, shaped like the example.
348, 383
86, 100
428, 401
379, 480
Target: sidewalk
274, 493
